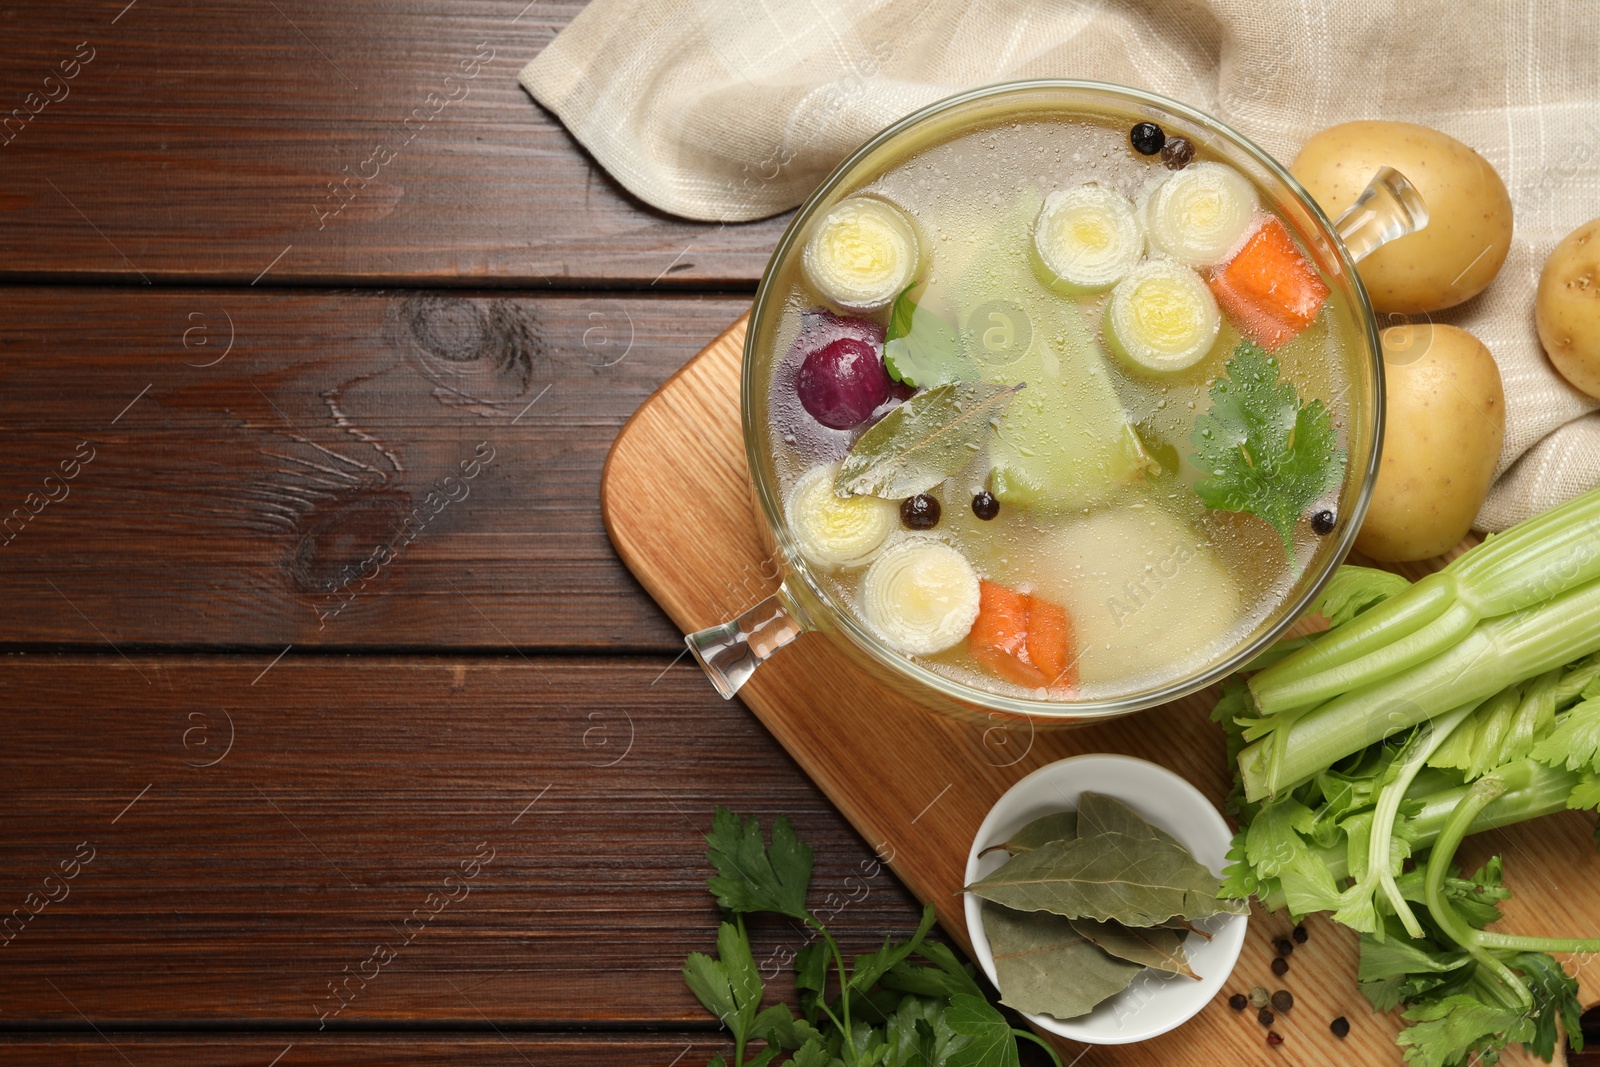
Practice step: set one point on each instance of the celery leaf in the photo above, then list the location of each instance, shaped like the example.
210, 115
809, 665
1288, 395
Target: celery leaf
1353, 590
1575, 741
1586, 794
1275, 849
1459, 1028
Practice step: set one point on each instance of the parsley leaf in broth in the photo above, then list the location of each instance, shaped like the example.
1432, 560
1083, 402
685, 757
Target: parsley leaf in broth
921, 349
1260, 449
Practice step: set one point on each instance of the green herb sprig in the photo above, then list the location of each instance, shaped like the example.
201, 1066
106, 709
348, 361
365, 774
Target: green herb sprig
912, 1003
921, 349
1260, 449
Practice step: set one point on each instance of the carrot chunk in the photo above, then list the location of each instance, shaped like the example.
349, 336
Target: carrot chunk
1023, 639
1050, 640
1270, 290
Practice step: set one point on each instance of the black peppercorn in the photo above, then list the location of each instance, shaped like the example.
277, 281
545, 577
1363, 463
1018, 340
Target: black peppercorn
1340, 1026
1280, 966
920, 512
1265, 1017
1300, 935
1282, 1000
1177, 153
1283, 946
985, 506
1238, 1002
1323, 522
1147, 138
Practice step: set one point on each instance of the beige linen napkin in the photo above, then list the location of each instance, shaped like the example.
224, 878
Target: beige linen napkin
736, 109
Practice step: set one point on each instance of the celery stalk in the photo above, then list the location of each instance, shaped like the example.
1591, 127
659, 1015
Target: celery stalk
1529, 564
1380, 866
1533, 790
1497, 653
1371, 632
1483, 793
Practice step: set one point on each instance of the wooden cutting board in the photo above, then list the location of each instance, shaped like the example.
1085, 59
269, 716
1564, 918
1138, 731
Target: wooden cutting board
677, 502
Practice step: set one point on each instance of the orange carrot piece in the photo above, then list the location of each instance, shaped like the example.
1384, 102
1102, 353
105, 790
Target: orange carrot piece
1002, 623
1270, 290
1023, 639
1050, 641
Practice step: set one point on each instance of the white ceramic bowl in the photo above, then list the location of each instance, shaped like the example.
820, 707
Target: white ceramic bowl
1154, 1003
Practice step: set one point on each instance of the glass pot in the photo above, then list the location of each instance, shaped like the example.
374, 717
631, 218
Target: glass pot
1388, 209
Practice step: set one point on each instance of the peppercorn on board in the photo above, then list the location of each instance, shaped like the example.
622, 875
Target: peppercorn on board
677, 503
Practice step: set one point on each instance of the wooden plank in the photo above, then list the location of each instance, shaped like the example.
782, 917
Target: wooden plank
336, 143
287, 490
922, 782
301, 874
507, 1049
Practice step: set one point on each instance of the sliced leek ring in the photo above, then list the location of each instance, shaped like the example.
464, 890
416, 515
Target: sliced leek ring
1086, 239
920, 596
836, 531
1161, 318
1199, 214
862, 254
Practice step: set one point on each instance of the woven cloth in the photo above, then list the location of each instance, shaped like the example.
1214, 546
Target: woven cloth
730, 110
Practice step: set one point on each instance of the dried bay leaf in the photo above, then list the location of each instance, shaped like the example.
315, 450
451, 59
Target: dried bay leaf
1158, 947
1042, 965
1139, 881
1098, 814
1183, 926
1062, 826
922, 442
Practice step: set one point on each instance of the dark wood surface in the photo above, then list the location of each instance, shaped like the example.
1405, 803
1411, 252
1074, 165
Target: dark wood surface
507, 1048
270, 479
502, 304
289, 818
199, 141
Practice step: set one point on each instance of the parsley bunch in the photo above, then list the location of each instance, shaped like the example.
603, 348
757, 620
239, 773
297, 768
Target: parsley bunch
885, 1010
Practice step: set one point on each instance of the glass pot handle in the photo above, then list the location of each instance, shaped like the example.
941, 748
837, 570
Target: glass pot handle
1387, 209
730, 653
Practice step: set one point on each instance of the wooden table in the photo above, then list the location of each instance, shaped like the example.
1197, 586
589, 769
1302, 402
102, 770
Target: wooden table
276, 743
275, 290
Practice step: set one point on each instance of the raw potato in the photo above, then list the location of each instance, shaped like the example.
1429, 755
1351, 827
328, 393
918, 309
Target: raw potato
1568, 307
1444, 422
1468, 234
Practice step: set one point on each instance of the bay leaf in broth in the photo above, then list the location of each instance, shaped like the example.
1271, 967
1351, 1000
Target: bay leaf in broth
930, 437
